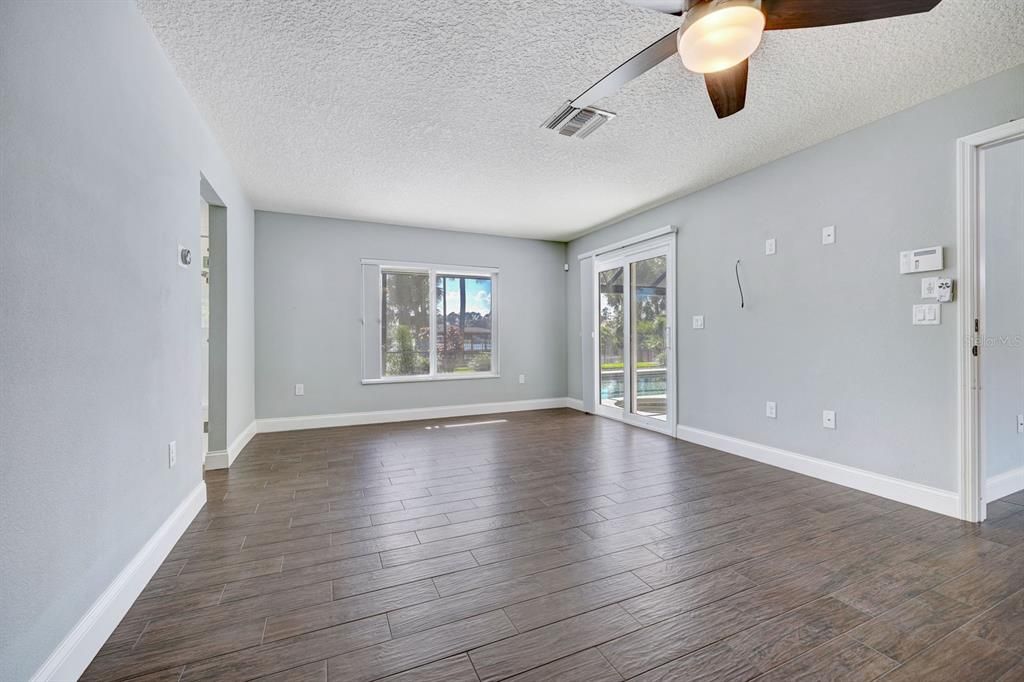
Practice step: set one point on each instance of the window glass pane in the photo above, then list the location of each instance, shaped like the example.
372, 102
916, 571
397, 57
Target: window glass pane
463, 324
405, 333
611, 339
649, 305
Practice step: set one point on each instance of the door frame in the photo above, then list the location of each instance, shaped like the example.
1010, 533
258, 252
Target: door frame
970, 266
219, 454
665, 244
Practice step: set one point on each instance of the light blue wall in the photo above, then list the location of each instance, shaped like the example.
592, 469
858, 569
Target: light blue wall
101, 152
825, 327
309, 307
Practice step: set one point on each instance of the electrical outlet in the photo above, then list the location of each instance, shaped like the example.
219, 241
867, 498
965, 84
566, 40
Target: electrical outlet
1020, 423
698, 321
300, 389
828, 235
172, 454
522, 378
828, 419
769, 410
769, 247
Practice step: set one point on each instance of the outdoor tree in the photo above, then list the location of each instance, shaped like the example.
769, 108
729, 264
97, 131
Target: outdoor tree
404, 305
404, 360
451, 339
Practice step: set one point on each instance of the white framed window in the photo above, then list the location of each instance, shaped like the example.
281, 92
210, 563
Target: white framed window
427, 322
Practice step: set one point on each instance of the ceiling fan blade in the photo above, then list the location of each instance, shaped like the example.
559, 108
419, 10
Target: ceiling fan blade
675, 7
728, 89
785, 14
637, 65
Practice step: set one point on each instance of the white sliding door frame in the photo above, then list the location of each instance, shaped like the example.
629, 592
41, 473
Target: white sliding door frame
600, 266
664, 245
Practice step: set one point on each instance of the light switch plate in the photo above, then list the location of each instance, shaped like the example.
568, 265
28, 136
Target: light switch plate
522, 378
1020, 423
927, 314
172, 454
769, 247
698, 321
929, 287
828, 235
300, 389
769, 410
828, 419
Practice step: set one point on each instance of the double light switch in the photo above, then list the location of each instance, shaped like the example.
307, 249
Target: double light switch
927, 314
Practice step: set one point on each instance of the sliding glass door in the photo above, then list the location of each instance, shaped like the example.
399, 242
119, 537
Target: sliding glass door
611, 341
648, 305
635, 364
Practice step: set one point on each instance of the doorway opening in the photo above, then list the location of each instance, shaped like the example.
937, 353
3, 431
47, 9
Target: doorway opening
990, 247
213, 326
204, 322
634, 307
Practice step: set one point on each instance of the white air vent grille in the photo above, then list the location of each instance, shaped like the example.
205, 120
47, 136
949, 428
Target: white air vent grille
573, 122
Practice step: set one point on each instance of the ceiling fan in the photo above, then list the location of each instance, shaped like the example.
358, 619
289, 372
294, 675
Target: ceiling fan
716, 39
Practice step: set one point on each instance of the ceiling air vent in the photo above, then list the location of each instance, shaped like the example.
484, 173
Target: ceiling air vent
573, 122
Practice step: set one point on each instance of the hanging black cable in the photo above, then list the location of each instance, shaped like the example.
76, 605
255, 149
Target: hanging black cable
739, 284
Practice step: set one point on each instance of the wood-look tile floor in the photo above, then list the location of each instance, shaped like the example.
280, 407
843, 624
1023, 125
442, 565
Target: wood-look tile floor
553, 545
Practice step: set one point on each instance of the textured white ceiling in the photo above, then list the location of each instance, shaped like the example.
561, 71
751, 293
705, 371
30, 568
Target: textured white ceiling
427, 112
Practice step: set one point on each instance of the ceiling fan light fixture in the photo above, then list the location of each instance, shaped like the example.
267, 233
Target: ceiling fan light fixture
719, 34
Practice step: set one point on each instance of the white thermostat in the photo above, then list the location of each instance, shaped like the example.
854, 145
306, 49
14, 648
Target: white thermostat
921, 260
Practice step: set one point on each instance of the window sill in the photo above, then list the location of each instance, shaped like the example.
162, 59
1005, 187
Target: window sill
444, 377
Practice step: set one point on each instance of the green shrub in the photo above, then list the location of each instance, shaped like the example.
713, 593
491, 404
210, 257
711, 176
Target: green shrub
405, 360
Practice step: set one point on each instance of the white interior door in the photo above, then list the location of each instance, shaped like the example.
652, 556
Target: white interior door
634, 344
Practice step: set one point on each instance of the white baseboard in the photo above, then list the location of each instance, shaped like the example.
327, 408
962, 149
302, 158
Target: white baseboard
216, 459
907, 492
73, 655
319, 421
222, 459
1004, 484
574, 404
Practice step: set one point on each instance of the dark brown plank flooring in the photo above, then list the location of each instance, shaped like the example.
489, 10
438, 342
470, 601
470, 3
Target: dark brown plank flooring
554, 545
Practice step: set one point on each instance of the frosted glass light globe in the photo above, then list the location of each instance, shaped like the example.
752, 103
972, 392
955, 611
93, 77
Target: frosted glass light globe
718, 35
